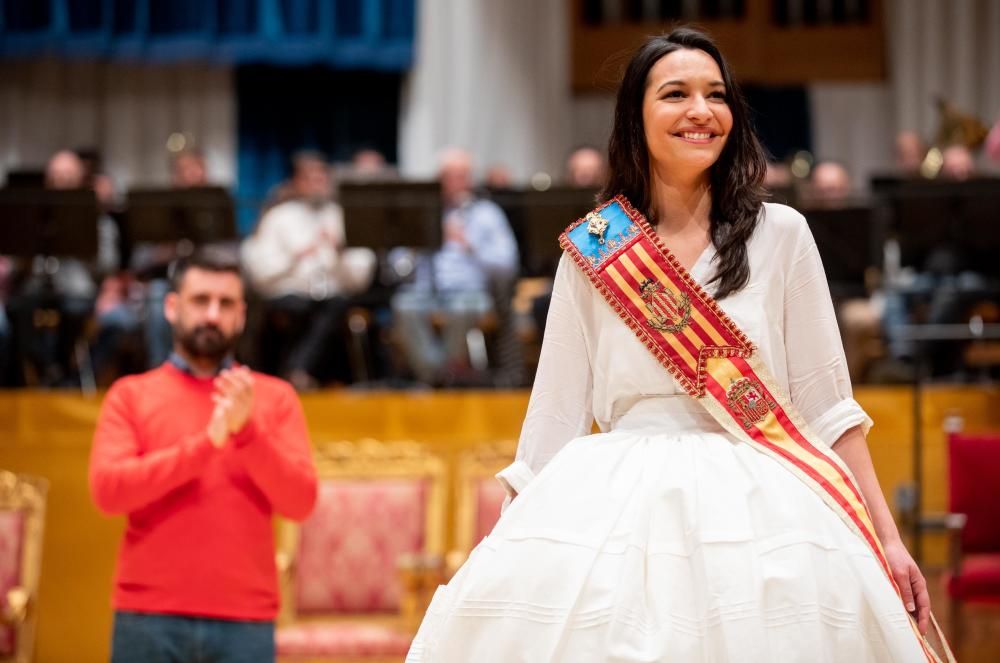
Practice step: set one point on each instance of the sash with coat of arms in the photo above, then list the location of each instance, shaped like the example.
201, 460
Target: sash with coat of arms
713, 360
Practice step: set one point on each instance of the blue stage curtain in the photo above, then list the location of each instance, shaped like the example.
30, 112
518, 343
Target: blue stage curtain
282, 110
346, 34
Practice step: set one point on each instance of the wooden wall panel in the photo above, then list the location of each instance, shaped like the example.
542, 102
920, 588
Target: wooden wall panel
759, 50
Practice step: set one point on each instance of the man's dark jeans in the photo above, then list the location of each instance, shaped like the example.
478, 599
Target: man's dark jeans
151, 638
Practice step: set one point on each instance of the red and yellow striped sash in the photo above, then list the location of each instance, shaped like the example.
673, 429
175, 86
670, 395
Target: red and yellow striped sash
711, 358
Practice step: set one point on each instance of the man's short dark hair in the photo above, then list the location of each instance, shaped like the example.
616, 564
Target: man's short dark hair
207, 258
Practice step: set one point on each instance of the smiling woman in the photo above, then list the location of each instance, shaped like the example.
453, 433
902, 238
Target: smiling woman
676, 84
727, 510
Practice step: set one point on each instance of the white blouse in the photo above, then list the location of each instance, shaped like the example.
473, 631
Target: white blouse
592, 367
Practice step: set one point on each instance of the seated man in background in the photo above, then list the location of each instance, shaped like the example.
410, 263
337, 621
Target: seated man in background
69, 285
478, 251
298, 261
199, 454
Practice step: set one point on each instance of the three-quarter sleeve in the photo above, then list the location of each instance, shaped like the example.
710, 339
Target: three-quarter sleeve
818, 381
560, 408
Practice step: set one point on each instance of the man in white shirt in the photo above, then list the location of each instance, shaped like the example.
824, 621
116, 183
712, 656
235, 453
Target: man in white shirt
297, 259
477, 252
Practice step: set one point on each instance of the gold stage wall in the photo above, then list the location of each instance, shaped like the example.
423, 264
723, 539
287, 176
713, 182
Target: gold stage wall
49, 434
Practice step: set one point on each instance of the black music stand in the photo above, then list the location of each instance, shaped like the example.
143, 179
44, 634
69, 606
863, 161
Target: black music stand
49, 223
386, 215
44, 222
538, 217
959, 217
25, 179
850, 240
200, 215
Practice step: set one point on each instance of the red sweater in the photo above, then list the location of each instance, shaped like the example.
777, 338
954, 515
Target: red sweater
199, 539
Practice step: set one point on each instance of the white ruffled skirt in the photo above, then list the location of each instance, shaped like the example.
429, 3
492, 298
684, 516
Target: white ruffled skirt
640, 546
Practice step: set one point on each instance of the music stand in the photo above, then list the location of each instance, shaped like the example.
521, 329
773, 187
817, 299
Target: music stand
26, 179
959, 215
850, 240
199, 215
385, 215
44, 222
538, 217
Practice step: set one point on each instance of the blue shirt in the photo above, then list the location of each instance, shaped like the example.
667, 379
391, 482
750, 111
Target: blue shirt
492, 251
182, 364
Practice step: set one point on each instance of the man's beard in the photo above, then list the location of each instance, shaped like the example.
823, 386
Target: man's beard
205, 342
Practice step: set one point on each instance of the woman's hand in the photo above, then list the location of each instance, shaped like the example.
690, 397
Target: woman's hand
912, 586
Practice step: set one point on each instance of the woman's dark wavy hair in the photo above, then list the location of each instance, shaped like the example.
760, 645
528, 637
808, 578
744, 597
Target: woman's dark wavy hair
736, 179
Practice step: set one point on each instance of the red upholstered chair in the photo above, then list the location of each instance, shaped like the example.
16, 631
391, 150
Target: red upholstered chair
974, 499
22, 521
356, 575
480, 497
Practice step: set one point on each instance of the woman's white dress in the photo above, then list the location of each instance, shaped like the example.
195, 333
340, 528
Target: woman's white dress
664, 538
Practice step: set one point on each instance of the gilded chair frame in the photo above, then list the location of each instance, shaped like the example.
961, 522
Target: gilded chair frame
27, 494
481, 462
372, 459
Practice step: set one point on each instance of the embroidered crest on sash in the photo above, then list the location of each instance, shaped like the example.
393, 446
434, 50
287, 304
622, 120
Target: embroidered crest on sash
669, 313
746, 397
597, 225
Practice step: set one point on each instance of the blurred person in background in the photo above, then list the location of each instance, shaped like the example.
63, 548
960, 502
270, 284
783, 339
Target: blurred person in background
188, 170
477, 255
957, 163
200, 454
367, 165
909, 154
369, 162
992, 145
298, 260
586, 168
498, 178
829, 184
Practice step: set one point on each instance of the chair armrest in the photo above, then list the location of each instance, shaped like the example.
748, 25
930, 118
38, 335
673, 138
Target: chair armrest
419, 576
946, 522
284, 562
16, 605
952, 524
454, 561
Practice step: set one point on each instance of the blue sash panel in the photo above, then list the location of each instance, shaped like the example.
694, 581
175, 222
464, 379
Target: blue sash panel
620, 229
